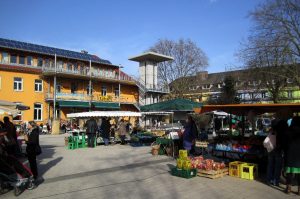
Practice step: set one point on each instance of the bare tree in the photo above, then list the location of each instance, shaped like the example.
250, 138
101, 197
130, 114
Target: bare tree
188, 60
273, 48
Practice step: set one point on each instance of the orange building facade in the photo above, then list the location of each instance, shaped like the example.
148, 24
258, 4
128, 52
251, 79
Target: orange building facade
29, 73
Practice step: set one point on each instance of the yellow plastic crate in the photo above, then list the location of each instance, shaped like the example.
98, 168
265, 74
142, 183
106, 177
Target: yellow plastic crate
249, 171
235, 168
183, 154
180, 163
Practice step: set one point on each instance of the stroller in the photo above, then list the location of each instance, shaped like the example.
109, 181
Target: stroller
14, 175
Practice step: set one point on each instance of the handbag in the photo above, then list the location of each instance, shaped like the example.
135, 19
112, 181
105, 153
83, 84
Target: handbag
38, 149
270, 142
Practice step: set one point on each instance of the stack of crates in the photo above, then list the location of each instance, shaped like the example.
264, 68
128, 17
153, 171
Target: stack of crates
243, 170
184, 166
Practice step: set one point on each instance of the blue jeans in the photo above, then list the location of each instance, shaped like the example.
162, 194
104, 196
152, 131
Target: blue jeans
106, 141
275, 161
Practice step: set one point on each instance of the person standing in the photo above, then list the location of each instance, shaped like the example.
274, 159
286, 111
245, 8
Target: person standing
105, 127
122, 131
13, 147
292, 154
189, 134
275, 156
32, 141
91, 130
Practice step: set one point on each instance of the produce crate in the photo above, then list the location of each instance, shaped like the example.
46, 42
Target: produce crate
212, 174
235, 168
184, 173
249, 171
183, 154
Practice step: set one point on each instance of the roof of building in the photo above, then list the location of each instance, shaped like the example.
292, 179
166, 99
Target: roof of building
46, 50
151, 56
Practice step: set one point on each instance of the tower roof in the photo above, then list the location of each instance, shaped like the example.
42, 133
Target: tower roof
151, 56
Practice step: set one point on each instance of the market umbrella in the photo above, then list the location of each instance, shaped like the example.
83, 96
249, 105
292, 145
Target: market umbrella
178, 104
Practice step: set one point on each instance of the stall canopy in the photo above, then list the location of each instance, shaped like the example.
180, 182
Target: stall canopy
104, 114
241, 109
172, 105
11, 108
157, 113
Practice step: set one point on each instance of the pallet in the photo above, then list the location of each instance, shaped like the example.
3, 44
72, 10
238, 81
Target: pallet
213, 174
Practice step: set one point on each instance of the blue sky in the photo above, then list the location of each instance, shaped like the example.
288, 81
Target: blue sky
118, 29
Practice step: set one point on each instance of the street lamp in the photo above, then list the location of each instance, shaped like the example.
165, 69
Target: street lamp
120, 84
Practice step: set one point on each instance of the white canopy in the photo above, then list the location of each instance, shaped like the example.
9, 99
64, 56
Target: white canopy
9, 111
105, 114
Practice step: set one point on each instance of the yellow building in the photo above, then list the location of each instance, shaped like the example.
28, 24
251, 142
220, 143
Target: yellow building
29, 73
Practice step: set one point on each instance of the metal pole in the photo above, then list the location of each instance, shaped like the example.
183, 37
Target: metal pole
54, 90
90, 87
119, 86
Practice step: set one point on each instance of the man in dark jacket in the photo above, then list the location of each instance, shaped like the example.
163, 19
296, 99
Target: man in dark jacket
13, 147
105, 127
91, 130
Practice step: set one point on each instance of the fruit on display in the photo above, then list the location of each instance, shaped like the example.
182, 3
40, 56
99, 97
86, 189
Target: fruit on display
206, 164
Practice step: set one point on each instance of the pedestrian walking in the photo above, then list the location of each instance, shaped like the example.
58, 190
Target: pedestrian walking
292, 154
189, 134
91, 130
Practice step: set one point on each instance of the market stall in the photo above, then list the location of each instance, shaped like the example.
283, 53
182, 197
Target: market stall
78, 135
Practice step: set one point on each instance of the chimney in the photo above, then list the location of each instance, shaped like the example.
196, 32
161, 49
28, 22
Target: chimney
84, 51
202, 75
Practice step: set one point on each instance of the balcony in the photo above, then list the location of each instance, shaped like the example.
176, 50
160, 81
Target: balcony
86, 73
95, 97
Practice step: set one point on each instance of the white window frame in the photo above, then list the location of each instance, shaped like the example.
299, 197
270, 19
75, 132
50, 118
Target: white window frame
40, 85
4, 59
41, 112
18, 90
102, 91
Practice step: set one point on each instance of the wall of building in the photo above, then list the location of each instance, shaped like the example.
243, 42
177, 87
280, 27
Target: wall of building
28, 96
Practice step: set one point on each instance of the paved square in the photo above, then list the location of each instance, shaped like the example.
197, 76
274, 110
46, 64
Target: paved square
128, 172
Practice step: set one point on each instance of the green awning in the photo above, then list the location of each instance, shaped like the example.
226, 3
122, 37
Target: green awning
172, 105
75, 104
106, 105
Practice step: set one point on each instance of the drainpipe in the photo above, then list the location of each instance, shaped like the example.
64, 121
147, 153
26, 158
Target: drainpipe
54, 89
90, 87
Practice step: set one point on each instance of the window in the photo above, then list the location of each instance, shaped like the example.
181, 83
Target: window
290, 94
117, 91
29, 61
69, 67
207, 86
58, 88
103, 91
88, 89
21, 60
4, 57
18, 84
37, 112
13, 59
18, 117
40, 62
60, 64
38, 85
75, 67
220, 85
47, 63
263, 95
74, 87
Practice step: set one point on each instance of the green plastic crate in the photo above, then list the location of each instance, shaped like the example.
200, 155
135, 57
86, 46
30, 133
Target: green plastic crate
184, 173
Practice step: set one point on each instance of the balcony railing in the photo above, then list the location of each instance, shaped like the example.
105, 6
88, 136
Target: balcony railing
95, 97
97, 73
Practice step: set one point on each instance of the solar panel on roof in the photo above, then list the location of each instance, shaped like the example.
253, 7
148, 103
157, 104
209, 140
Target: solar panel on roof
49, 50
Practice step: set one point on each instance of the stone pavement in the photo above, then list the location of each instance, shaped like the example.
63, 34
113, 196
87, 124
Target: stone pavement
128, 172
